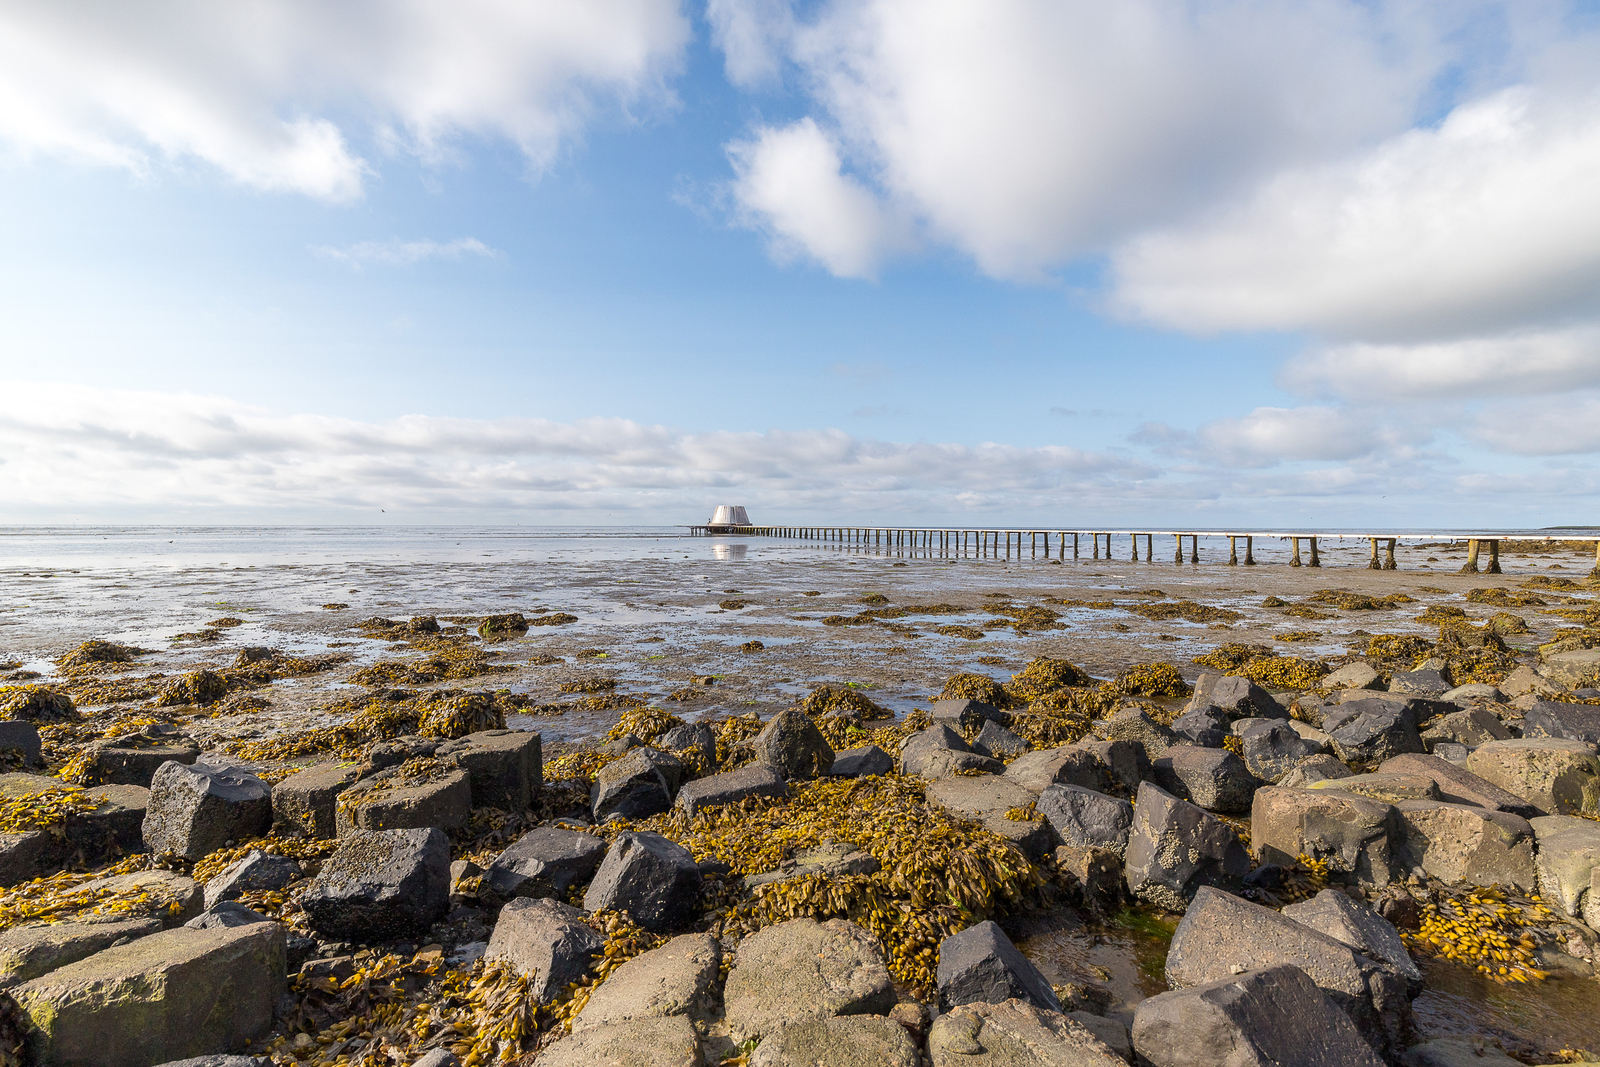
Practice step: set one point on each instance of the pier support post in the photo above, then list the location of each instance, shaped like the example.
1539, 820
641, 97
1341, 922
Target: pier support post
1494, 556
1149, 547
1596, 552
1249, 551
1194, 548
1316, 560
1388, 556
1233, 551
1373, 564
1096, 545
1471, 566
1178, 557
1294, 561
1596, 572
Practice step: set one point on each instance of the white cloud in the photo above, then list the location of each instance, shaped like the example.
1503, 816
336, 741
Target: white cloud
400, 253
1559, 426
1525, 362
268, 91
753, 35
1489, 221
1028, 132
1270, 436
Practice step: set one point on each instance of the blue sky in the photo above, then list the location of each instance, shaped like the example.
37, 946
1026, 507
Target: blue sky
1326, 264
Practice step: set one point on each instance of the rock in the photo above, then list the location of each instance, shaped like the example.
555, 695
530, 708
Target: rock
1314, 769
545, 863
1110, 1032
981, 964
963, 715
654, 879
843, 1041
1524, 680
547, 942
1015, 1034
26, 952
1213, 778
170, 896
995, 740
381, 885
1372, 730
172, 994
803, 969
1569, 670
1132, 724
692, 737
1222, 934
832, 860
792, 744
730, 787
1555, 775
1334, 913
1577, 722
1457, 785
1357, 675
1083, 818
1066, 765
1206, 726
221, 1060
1386, 788
391, 801
258, 870
987, 799
861, 762
134, 760
1174, 848
22, 737
225, 916
679, 978
1271, 748
1457, 1052
506, 767
438, 1058
1126, 763
1474, 692
1239, 698
1422, 683
939, 752
1097, 873
1307, 732
1462, 843
1472, 727
640, 784
304, 802
1274, 1017
1569, 853
668, 1042
196, 809
91, 837
1351, 833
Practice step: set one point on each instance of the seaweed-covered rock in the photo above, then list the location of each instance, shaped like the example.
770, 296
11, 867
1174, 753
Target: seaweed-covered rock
304, 802
654, 879
730, 787
981, 964
1175, 848
258, 870
545, 862
393, 800
380, 885
546, 941
196, 809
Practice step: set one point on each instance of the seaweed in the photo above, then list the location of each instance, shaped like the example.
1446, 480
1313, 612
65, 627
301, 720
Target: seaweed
502, 627
1186, 610
1505, 598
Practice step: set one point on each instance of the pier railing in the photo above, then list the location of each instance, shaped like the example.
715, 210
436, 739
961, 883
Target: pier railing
997, 543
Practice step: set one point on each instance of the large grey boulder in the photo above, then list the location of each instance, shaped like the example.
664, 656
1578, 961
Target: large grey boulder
1350, 833
964, 714
1426, 682
1370, 731
981, 964
792, 744
695, 737
1066, 765
665, 1042
381, 885
1340, 917
506, 767
1213, 778
838, 1041
23, 737
1222, 934
1273, 1017
1126, 763
390, 801
198, 808
304, 803
1462, 843
995, 740
939, 752
1014, 1033
652, 878
1457, 785
1175, 848
1083, 818
1134, 724
1204, 726
803, 969
545, 863
1558, 776
1576, 722
163, 997
257, 871
546, 941
861, 762
26, 952
986, 799
1314, 769
124, 761
679, 978
1457, 1052
730, 787
1571, 669
1239, 698
1471, 727
1569, 855
644, 782
165, 895
1357, 675
1271, 748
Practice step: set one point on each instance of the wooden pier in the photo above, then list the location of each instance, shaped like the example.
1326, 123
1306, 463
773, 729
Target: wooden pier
997, 544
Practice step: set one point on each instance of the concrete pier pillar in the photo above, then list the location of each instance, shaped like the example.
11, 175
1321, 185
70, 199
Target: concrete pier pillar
1194, 548
1494, 556
1294, 561
1388, 556
1373, 564
1233, 551
1096, 545
1249, 551
1596, 552
1316, 560
1178, 556
1471, 566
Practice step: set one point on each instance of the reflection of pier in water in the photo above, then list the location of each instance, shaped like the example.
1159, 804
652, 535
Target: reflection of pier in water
1053, 544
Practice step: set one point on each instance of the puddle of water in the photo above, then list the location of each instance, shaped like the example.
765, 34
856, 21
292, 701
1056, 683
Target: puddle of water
1535, 1020
1126, 956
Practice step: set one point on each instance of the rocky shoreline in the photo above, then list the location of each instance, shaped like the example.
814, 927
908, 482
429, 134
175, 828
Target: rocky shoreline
827, 885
